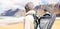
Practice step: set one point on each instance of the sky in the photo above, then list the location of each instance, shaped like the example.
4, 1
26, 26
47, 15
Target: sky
13, 4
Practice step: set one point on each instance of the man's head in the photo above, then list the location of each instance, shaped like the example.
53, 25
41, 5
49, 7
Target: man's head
29, 6
47, 9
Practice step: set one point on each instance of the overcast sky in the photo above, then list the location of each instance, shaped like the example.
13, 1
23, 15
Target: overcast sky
7, 4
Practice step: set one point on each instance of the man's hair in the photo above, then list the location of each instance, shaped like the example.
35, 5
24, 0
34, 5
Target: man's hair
27, 7
47, 9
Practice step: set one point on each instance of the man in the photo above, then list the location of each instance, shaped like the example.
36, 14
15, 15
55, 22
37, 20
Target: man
47, 11
44, 22
29, 19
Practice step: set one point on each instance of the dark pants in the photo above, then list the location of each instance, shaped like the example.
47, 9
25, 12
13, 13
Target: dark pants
36, 24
